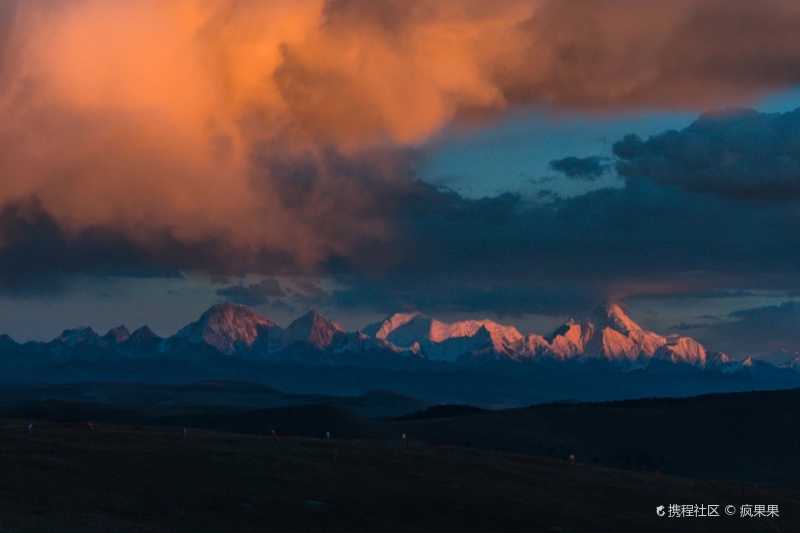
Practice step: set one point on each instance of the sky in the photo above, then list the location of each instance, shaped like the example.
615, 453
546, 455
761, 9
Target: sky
522, 160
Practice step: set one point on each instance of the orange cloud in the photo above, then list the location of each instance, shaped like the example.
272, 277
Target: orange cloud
215, 119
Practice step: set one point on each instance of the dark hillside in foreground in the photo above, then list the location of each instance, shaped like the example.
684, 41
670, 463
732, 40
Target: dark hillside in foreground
164, 399
66, 478
745, 436
754, 436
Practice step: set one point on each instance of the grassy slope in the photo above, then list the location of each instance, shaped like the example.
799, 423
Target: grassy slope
65, 478
745, 436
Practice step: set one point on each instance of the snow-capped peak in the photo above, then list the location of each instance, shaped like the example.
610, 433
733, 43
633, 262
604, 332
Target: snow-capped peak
609, 334
614, 316
684, 350
383, 329
446, 340
613, 335
312, 328
226, 327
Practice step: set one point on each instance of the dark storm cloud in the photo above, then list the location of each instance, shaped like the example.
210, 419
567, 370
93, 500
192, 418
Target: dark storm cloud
785, 315
38, 256
287, 294
706, 294
738, 154
770, 331
688, 326
206, 83
463, 295
307, 291
582, 168
547, 195
260, 293
197, 154
681, 52
440, 250
509, 255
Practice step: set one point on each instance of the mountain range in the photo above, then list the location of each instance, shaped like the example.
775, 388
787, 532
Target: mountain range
610, 335
606, 356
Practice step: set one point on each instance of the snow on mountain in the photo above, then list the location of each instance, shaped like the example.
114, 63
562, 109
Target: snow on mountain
609, 334
228, 328
718, 359
612, 318
613, 335
314, 329
394, 323
567, 341
435, 339
683, 350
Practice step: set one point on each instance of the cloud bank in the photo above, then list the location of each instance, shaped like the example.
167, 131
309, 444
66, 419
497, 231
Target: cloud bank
582, 168
738, 154
768, 331
244, 136
254, 294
